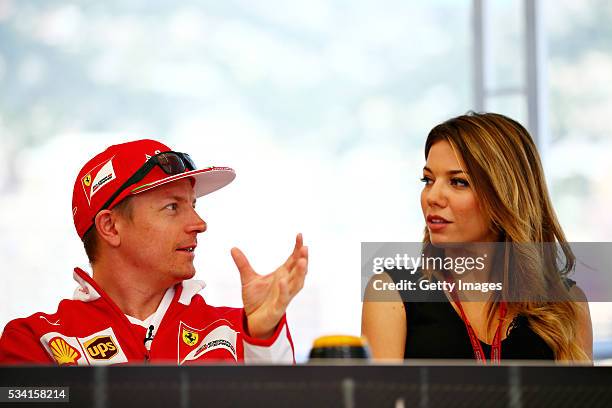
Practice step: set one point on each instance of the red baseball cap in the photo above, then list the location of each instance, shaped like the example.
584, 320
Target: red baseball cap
103, 175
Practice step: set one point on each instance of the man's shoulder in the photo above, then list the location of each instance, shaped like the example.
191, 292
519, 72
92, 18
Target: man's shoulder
203, 318
198, 305
69, 313
191, 296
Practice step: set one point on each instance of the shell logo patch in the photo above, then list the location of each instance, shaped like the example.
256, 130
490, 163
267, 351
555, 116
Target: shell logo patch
63, 352
189, 337
101, 348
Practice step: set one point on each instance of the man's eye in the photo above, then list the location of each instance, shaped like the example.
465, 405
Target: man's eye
172, 206
459, 182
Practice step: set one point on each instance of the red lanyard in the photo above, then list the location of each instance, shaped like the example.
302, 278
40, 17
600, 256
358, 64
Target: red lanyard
496, 346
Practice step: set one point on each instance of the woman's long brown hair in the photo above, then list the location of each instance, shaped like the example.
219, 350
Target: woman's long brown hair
505, 171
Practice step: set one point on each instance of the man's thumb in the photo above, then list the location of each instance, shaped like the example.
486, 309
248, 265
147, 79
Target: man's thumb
243, 265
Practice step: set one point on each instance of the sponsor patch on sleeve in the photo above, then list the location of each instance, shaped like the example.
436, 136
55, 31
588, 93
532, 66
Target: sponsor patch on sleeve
101, 348
65, 350
195, 343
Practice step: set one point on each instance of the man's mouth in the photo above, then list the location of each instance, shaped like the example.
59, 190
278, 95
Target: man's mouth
187, 248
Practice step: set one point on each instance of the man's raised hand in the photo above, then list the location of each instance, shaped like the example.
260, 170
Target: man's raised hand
266, 297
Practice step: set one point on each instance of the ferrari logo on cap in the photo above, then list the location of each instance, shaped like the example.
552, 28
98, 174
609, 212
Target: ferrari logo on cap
190, 338
97, 178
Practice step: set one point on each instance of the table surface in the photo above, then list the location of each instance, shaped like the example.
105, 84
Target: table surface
339, 385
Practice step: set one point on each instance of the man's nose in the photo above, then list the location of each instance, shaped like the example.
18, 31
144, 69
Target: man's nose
197, 224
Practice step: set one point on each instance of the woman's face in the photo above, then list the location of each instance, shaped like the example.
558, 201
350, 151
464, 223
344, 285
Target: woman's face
449, 204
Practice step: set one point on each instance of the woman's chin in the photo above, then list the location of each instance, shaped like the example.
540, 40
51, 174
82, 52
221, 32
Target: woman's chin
439, 239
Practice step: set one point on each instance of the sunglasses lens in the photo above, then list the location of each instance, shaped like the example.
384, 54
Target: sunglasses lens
171, 163
189, 162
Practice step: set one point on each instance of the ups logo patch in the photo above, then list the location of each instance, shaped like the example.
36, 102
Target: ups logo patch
101, 348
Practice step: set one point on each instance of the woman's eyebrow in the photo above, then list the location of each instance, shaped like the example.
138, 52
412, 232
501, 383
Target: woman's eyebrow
451, 172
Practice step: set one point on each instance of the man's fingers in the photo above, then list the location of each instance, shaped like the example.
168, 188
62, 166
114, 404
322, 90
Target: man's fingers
285, 269
299, 243
283, 296
297, 277
301, 255
244, 267
304, 253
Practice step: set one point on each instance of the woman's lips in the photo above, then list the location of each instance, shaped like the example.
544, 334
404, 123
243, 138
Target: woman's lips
436, 223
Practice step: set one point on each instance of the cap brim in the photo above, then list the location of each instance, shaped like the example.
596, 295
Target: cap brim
206, 180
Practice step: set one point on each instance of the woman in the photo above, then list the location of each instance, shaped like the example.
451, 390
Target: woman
483, 183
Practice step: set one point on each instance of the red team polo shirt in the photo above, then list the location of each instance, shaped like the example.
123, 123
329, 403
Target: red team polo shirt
92, 330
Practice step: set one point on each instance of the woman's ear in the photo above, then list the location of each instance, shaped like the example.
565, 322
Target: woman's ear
105, 226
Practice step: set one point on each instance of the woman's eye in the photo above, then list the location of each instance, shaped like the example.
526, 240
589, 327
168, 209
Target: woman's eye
426, 180
459, 182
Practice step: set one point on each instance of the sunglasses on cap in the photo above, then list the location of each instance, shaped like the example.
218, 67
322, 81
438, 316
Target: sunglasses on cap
172, 163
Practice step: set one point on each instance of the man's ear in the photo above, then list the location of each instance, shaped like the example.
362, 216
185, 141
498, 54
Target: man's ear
105, 225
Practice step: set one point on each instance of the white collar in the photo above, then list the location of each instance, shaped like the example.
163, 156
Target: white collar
157, 316
86, 292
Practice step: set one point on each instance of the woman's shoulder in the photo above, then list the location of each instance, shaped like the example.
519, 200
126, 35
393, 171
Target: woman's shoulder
569, 283
410, 288
399, 275
381, 288
577, 293
574, 290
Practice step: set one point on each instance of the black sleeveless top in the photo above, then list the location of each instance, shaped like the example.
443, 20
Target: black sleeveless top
435, 330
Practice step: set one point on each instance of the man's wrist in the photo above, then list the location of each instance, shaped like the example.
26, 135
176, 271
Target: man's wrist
257, 332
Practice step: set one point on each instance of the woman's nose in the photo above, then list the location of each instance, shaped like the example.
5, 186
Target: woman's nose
436, 195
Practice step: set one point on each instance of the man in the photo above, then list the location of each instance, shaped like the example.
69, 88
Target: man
134, 209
